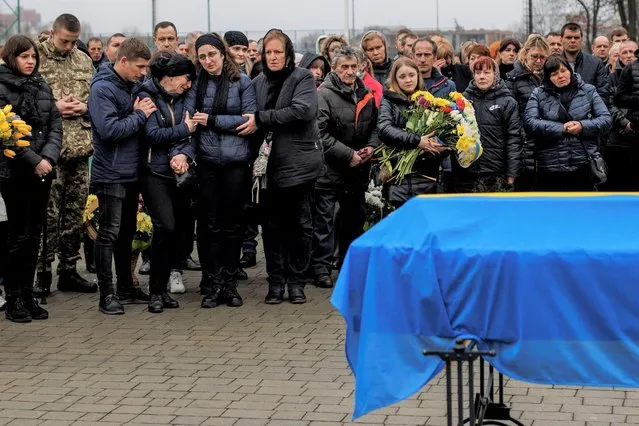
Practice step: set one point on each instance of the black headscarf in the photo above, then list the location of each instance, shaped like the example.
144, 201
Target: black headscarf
276, 78
222, 81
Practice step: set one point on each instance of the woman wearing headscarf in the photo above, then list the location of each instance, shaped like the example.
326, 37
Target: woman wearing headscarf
567, 117
167, 151
287, 110
26, 172
224, 101
501, 132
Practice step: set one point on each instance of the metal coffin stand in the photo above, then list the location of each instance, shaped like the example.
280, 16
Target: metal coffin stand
483, 409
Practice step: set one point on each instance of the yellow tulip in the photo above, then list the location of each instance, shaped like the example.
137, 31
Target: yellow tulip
7, 109
4, 127
17, 123
22, 143
9, 153
18, 135
25, 129
10, 115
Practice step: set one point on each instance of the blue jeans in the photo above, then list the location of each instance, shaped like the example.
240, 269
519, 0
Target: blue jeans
117, 224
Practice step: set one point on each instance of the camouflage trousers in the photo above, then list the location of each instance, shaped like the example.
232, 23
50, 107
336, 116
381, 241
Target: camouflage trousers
64, 228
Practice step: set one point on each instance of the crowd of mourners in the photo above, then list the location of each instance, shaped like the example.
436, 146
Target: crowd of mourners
184, 129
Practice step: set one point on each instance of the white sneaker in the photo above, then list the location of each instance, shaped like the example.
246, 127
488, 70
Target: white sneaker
176, 283
2, 303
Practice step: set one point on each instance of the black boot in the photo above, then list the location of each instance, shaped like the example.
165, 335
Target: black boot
231, 297
215, 296
206, 283
324, 281
156, 306
37, 313
16, 310
42, 286
131, 295
241, 275
89, 255
70, 280
296, 295
275, 295
110, 305
248, 260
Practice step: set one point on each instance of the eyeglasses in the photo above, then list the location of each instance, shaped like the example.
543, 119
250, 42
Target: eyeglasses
210, 55
538, 57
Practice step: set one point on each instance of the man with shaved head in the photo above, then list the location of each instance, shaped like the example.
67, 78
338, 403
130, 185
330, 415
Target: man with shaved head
601, 48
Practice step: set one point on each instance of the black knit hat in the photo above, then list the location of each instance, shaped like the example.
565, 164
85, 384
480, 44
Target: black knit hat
236, 38
213, 39
171, 64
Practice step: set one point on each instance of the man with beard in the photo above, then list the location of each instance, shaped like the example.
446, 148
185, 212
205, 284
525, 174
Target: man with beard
68, 72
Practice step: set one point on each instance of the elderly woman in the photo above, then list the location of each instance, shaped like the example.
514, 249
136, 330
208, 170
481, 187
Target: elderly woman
25, 179
167, 151
567, 117
287, 112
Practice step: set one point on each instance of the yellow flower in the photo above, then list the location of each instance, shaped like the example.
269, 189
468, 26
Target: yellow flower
460, 130
456, 96
427, 95
465, 143
17, 136
22, 143
24, 129
7, 109
5, 127
9, 153
441, 103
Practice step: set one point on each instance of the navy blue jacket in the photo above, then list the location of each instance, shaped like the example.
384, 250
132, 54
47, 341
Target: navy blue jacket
219, 142
116, 127
544, 120
165, 133
438, 85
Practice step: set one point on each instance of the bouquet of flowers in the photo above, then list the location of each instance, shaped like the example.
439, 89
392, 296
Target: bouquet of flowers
451, 120
143, 231
13, 132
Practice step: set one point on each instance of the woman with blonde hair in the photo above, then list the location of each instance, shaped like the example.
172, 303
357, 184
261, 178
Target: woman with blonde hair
404, 81
332, 43
458, 73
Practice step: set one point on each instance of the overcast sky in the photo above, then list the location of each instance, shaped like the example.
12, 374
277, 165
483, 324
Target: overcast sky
108, 16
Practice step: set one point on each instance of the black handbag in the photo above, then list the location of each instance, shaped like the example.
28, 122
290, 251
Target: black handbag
598, 167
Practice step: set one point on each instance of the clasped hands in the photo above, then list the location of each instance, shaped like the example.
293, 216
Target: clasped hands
70, 107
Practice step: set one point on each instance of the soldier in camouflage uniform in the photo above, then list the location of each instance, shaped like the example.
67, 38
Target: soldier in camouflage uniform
68, 71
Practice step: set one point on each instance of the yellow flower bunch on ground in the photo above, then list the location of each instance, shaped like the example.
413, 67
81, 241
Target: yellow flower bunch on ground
144, 224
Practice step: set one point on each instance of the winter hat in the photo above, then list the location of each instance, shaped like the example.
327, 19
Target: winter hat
169, 64
213, 39
236, 38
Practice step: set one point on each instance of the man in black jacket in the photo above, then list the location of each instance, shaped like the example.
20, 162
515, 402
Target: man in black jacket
591, 69
347, 123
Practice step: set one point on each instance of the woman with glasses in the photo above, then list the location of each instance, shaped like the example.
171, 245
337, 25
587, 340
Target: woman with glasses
522, 80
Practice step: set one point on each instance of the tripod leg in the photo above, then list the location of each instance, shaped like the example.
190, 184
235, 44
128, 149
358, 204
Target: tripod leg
460, 394
449, 394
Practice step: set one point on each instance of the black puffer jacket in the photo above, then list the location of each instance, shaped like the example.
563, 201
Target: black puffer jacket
381, 72
45, 121
594, 72
559, 152
296, 157
521, 82
619, 119
391, 131
460, 74
501, 130
308, 59
345, 127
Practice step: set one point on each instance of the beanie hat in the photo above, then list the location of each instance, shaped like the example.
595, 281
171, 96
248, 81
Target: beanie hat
212, 39
236, 38
169, 64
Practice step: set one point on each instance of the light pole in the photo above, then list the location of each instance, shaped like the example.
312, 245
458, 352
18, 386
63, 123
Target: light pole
152, 14
347, 31
437, 13
208, 15
353, 16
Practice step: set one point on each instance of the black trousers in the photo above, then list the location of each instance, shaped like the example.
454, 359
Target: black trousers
168, 207
326, 234
251, 230
623, 172
576, 181
117, 224
221, 204
26, 202
288, 233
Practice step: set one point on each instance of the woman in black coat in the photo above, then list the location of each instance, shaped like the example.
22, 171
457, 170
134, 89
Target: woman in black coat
501, 132
567, 117
526, 76
287, 108
25, 180
391, 129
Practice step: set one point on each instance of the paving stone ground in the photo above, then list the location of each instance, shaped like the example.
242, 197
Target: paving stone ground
250, 366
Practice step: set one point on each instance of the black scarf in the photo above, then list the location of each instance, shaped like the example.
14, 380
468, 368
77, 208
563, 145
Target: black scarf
28, 87
275, 82
221, 94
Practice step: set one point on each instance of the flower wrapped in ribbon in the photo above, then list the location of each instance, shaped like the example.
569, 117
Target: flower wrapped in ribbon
453, 123
14, 132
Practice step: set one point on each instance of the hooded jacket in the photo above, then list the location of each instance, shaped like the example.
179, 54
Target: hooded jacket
296, 157
116, 128
69, 74
309, 58
501, 130
46, 131
460, 75
382, 71
545, 116
347, 122
165, 132
521, 82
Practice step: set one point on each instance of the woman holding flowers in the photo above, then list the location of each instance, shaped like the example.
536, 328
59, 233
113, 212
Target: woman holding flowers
26, 168
501, 133
567, 117
405, 81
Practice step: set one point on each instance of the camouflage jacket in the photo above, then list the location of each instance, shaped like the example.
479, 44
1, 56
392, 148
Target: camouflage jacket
69, 75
